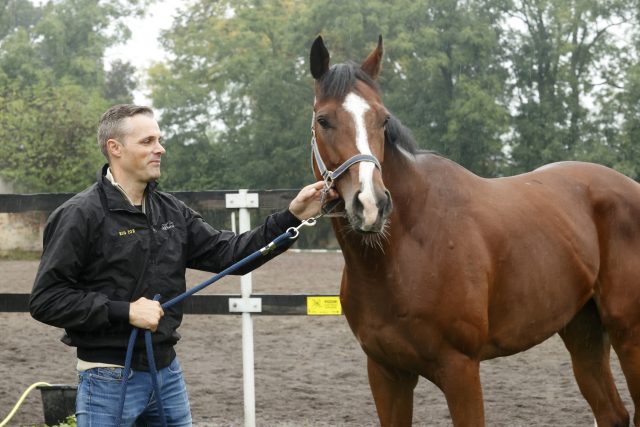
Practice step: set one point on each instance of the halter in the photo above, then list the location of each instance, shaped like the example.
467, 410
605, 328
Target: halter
328, 176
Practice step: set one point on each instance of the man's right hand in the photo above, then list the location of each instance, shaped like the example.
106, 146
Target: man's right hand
145, 313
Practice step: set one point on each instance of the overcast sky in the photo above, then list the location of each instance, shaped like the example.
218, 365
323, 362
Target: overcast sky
143, 47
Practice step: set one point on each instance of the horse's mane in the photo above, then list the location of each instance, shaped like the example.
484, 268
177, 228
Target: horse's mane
340, 80
398, 135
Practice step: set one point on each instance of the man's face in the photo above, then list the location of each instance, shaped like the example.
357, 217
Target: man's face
141, 149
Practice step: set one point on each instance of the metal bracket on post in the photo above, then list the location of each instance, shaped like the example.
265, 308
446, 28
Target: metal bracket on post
241, 200
245, 305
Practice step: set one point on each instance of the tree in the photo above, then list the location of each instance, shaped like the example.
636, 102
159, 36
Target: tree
48, 138
447, 78
620, 122
120, 82
441, 73
15, 14
236, 98
232, 96
499, 86
560, 52
54, 89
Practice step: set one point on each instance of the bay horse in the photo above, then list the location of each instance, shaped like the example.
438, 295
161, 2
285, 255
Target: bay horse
444, 269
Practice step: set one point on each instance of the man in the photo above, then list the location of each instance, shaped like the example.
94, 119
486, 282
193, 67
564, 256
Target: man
109, 249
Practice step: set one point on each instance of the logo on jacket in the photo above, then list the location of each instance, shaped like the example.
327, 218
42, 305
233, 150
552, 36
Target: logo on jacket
167, 225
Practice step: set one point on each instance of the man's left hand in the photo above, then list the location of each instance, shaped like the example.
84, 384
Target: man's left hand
308, 201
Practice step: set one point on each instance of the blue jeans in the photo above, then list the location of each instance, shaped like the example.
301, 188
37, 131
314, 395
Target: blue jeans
99, 390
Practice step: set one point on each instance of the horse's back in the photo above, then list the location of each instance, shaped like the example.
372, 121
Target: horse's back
612, 200
585, 193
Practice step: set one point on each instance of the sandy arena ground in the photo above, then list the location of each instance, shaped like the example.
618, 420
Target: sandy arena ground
309, 371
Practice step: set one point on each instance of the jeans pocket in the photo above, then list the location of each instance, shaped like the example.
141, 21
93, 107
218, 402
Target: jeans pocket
108, 374
175, 367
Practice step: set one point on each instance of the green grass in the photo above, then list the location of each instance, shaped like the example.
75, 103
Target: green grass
20, 255
69, 422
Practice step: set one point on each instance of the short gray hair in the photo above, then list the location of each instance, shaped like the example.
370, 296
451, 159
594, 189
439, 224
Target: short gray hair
110, 126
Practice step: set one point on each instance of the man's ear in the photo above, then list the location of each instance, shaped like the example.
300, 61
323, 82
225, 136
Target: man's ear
114, 148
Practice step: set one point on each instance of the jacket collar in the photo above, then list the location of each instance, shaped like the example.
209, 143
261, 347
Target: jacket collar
115, 199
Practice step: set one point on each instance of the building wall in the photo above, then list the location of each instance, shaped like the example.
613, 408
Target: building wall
5, 187
22, 231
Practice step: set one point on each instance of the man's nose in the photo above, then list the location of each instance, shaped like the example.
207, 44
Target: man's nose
160, 148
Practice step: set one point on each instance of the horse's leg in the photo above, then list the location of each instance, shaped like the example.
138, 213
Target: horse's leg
589, 346
624, 330
393, 394
629, 355
458, 377
618, 307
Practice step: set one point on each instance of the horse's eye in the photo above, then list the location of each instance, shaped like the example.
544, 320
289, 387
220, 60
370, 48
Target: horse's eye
322, 121
386, 120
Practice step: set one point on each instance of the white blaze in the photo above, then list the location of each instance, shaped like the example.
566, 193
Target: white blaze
357, 107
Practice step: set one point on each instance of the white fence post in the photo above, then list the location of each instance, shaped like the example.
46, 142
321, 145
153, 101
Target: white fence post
243, 201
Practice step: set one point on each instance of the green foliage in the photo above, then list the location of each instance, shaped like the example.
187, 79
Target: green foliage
15, 14
563, 56
500, 86
20, 255
234, 97
69, 422
237, 98
120, 83
48, 136
446, 79
53, 89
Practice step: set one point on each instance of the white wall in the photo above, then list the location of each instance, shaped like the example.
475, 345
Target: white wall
5, 187
22, 231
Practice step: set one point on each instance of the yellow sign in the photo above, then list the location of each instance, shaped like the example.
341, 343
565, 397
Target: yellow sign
324, 306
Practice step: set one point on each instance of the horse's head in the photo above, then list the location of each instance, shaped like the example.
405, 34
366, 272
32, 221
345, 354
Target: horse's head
349, 134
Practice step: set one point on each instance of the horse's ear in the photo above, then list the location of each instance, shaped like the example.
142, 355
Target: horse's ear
373, 63
319, 58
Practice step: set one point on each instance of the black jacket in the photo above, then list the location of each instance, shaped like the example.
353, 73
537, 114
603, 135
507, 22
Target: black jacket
100, 253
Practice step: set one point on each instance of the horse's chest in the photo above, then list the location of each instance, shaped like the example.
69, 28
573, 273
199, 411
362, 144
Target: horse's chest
386, 336
390, 345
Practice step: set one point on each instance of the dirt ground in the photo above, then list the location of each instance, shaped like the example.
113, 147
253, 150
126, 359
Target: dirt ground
309, 371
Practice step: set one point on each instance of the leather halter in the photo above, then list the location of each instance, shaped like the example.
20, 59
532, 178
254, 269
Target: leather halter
330, 176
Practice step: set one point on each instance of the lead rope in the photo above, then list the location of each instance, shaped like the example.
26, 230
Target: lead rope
291, 234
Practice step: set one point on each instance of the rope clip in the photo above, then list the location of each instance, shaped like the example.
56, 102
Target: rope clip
295, 231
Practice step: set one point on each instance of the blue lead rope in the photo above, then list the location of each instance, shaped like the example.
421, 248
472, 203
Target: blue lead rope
291, 233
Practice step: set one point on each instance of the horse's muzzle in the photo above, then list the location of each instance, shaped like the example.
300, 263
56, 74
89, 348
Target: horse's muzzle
369, 215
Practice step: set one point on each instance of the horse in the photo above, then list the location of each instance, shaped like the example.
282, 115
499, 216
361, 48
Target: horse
444, 269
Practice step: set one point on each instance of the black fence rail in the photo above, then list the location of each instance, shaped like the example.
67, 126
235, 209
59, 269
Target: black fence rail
210, 204
198, 200
271, 304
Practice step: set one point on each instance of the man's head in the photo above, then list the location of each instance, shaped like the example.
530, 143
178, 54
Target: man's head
130, 139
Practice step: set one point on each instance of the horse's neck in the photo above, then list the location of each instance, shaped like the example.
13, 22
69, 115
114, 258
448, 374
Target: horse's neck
402, 176
405, 184
416, 183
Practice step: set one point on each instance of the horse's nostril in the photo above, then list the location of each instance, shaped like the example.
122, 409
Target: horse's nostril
357, 203
386, 205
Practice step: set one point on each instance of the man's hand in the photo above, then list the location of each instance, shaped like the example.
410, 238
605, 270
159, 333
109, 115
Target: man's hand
145, 313
307, 203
